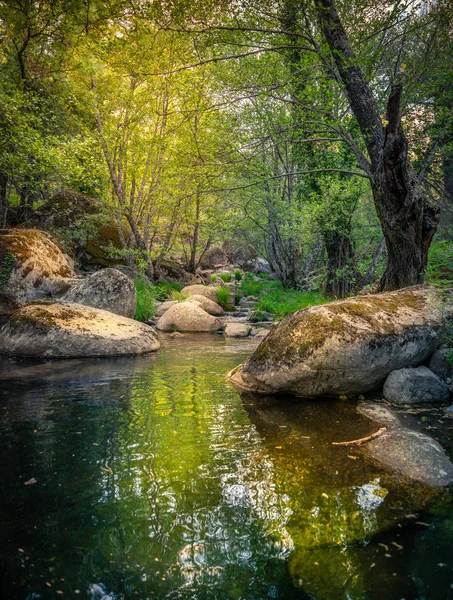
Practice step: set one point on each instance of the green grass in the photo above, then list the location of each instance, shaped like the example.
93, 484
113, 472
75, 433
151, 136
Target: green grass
440, 257
225, 277
238, 275
223, 297
213, 278
145, 300
283, 302
274, 298
148, 293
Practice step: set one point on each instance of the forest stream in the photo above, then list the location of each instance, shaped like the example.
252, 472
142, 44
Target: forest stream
150, 477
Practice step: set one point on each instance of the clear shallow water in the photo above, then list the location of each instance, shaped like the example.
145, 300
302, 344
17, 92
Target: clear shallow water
155, 479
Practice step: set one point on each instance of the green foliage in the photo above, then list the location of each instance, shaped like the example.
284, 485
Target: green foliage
213, 278
148, 293
440, 263
283, 302
178, 296
223, 297
6, 268
225, 277
145, 300
238, 275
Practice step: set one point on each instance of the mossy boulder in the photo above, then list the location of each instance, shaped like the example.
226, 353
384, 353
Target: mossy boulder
68, 208
98, 246
64, 330
108, 289
187, 316
347, 346
30, 262
213, 258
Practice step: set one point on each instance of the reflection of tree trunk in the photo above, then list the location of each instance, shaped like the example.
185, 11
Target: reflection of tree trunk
407, 220
340, 264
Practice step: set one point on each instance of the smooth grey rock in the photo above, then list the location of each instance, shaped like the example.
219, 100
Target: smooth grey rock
262, 266
38, 261
413, 454
347, 346
108, 289
187, 316
415, 386
378, 413
440, 365
259, 333
237, 330
64, 330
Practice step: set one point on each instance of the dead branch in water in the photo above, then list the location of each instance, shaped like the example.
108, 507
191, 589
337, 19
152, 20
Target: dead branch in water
361, 441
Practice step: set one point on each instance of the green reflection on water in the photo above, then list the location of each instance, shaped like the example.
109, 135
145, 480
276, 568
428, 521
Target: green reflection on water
156, 480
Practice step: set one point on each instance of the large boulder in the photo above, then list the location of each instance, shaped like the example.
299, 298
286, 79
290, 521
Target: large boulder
413, 454
108, 289
240, 254
441, 363
213, 258
64, 330
201, 290
68, 208
415, 386
173, 270
30, 262
207, 304
347, 346
99, 245
187, 316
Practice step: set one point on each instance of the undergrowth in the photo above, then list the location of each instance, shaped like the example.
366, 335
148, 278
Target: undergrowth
148, 293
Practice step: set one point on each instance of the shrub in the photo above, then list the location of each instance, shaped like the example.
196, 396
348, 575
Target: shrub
226, 277
223, 297
145, 300
238, 275
178, 296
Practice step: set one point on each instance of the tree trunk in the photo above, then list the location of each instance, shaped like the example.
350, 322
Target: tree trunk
340, 264
149, 272
407, 220
196, 230
3, 198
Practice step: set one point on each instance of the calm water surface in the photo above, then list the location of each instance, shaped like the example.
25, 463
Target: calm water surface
151, 477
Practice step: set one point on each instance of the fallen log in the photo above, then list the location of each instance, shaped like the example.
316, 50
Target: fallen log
363, 440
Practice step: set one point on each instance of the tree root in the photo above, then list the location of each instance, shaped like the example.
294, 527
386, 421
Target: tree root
363, 440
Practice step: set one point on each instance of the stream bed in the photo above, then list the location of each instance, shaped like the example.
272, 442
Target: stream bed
150, 477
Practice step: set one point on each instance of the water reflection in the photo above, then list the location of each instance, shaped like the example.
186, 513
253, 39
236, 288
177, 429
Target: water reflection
154, 479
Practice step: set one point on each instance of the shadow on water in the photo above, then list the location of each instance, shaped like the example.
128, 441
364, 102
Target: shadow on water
150, 477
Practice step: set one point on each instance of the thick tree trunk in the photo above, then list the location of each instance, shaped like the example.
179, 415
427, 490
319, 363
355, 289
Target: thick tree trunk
340, 264
407, 219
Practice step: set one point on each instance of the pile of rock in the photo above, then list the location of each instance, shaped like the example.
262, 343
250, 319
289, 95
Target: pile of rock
49, 312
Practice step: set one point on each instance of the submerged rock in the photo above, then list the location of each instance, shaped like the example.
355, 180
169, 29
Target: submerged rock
30, 262
237, 330
415, 386
413, 454
187, 316
345, 347
108, 289
64, 330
